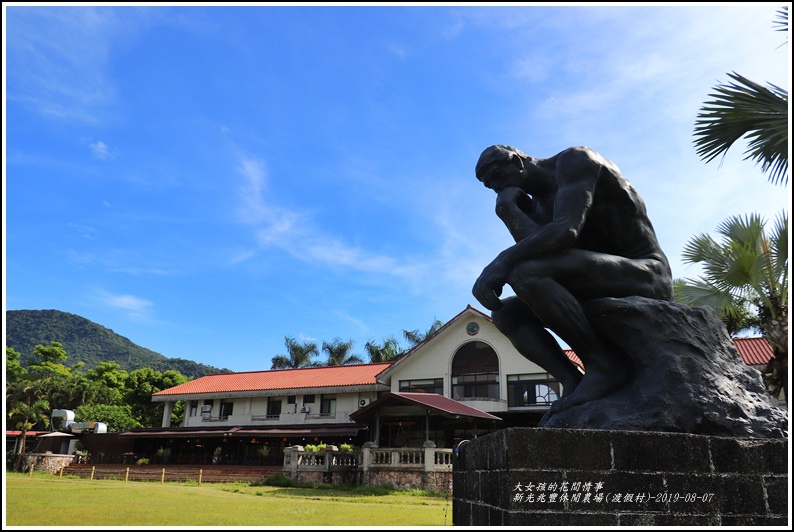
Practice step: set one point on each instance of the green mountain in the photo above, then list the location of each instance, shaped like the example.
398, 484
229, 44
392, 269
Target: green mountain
88, 342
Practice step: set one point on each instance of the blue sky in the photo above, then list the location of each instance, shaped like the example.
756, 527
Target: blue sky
207, 180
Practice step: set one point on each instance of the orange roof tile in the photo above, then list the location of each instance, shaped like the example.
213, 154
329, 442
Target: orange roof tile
754, 350
280, 379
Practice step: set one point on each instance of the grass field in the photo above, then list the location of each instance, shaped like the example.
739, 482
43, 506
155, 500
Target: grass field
46, 500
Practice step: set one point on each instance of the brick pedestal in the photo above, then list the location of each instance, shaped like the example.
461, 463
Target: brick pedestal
562, 477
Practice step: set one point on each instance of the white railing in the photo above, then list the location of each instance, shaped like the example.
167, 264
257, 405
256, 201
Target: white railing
369, 458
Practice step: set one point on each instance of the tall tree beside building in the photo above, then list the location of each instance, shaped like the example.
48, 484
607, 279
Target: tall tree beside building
299, 355
416, 337
339, 353
386, 351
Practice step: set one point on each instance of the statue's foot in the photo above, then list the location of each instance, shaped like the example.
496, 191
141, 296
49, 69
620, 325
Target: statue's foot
596, 383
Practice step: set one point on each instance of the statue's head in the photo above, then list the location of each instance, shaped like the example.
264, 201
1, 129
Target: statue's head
499, 154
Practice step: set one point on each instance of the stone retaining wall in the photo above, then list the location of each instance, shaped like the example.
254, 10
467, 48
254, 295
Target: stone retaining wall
49, 462
562, 477
439, 481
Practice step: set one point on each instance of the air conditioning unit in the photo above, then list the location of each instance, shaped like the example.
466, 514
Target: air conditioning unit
305, 409
364, 402
206, 409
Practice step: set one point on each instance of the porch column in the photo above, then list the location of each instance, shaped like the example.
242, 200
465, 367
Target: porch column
168, 409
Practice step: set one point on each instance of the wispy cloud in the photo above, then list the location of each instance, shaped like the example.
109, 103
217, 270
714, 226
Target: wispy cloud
297, 234
100, 150
134, 306
57, 59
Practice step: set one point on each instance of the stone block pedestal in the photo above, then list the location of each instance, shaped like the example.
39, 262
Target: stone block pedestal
572, 477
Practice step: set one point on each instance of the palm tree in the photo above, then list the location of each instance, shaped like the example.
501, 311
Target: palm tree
743, 108
339, 353
25, 416
385, 352
415, 337
747, 269
300, 355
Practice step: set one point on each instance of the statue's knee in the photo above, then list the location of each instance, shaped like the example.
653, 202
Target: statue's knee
502, 319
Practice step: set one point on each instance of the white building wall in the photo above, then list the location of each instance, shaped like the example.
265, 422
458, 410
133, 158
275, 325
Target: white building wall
434, 359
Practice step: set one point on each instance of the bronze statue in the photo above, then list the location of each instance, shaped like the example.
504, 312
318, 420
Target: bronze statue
581, 232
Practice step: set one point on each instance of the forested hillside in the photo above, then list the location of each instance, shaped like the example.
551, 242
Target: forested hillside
88, 342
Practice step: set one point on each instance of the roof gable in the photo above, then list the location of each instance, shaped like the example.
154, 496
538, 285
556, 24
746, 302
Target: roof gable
469, 310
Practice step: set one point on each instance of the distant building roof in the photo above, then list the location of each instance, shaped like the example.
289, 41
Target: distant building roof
280, 379
754, 351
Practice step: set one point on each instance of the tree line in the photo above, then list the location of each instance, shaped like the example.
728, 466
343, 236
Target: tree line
106, 393
301, 354
123, 399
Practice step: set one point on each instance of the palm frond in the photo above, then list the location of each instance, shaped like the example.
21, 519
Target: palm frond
781, 24
743, 108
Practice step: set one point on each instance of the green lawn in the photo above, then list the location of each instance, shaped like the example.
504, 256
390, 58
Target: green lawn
46, 500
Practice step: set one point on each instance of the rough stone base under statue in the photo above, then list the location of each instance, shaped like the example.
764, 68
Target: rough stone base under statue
686, 375
562, 477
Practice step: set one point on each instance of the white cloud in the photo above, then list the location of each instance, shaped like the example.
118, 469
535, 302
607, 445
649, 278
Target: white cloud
135, 307
100, 150
57, 59
297, 234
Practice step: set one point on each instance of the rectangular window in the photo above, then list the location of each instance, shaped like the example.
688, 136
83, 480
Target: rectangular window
308, 399
328, 406
532, 389
423, 386
273, 408
193, 409
475, 386
290, 399
227, 407
206, 408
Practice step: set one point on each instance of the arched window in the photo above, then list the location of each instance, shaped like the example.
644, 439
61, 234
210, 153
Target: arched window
475, 372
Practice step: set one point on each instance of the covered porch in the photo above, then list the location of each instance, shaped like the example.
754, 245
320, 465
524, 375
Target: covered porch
231, 445
409, 419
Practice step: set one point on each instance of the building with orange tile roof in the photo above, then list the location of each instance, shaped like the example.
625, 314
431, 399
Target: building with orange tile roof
464, 380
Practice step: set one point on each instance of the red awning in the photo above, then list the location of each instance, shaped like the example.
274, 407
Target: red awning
437, 404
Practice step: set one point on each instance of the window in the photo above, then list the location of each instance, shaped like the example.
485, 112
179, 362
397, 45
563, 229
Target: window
475, 372
328, 406
273, 408
477, 385
290, 399
423, 386
532, 389
227, 406
193, 409
206, 408
308, 399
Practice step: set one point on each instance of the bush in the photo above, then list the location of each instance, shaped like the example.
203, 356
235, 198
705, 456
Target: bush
279, 481
142, 461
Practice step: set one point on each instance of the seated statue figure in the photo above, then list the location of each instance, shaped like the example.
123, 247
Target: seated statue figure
582, 232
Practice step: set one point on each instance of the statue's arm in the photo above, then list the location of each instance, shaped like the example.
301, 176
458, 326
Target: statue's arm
576, 178
516, 209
